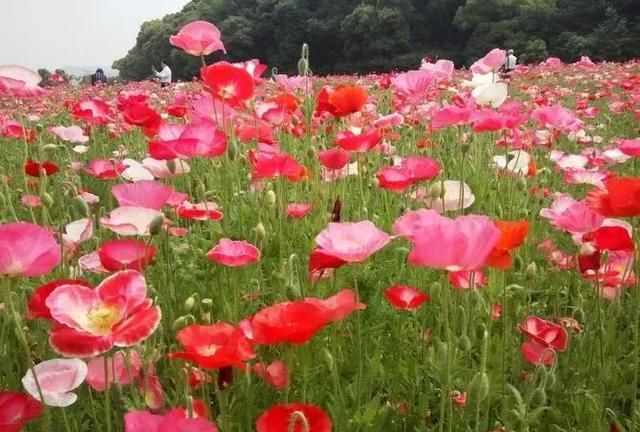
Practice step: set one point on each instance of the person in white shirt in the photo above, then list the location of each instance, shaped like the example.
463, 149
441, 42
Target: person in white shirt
164, 75
510, 62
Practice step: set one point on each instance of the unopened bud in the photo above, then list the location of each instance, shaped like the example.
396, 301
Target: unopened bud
539, 397
46, 199
179, 323
521, 183
328, 359
201, 191
303, 67
50, 147
155, 227
480, 386
189, 303
260, 230
271, 198
532, 270
464, 343
81, 206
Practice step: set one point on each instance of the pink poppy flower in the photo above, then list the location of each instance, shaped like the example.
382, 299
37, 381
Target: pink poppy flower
459, 398
198, 139
57, 378
123, 368
89, 198
104, 170
198, 38
557, 117
77, 232
174, 421
130, 221
468, 280
19, 81
298, 210
275, 374
166, 169
351, 241
393, 179
391, 120
89, 321
146, 193
411, 222
126, 254
27, 250
93, 111
31, 201
254, 68
630, 147
463, 243
441, 69
91, 263
339, 306
73, 134
406, 297
413, 83
571, 215
491, 62
200, 211
232, 253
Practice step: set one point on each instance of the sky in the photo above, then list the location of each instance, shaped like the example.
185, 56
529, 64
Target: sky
58, 33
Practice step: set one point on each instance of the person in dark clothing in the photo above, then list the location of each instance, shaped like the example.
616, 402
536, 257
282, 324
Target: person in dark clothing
98, 78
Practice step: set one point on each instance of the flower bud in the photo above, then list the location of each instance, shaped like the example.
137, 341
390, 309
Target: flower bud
260, 230
328, 359
532, 270
303, 67
179, 323
480, 386
201, 191
155, 227
189, 303
232, 149
464, 343
539, 397
271, 198
207, 303
81, 206
49, 147
46, 199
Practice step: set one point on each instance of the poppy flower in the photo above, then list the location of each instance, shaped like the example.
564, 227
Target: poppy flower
571, 215
544, 338
351, 242
146, 193
410, 222
228, 83
335, 158
393, 179
177, 111
233, 253
406, 297
174, 421
512, 235
126, 254
294, 417
275, 374
166, 169
358, 141
27, 250
468, 280
451, 193
491, 62
463, 243
143, 115
619, 198
36, 306
94, 111
630, 147
320, 261
130, 221
37, 169
198, 38
88, 322
612, 238
213, 346
266, 164
339, 306
77, 232
32, 201
459, 398
104, 170
19, 81
16, 409
200, 211
56, 378
298, 210
198, 139
347, 99
123, 368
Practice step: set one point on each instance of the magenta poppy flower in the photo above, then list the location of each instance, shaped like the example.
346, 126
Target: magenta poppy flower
571, 215
27, 250
630, 147
462, 244
89, 321
406, 297
393, 179
123, 368
125, 254
198, 139
146, 193
410, 222
491, 62
352, 242
104, 170
233, 253
545, 338
57, 379
173, 421
198, 38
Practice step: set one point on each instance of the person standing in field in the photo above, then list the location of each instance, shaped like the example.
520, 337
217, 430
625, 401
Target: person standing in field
510, 62
98, 78
164, 75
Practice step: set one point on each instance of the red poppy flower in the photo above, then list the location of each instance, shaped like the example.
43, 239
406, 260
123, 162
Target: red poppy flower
126, 254
16, 409
406, 297
393, 179
214, 346
362, 142
37, 308
319, 261
347, 99
143, 115
104, 169
335, 158
544, 339
200, 211
612, 238
227, 82
303, 418
298, 210
512, 235
286, 101
94, 111
177, 111
276, 374
270, 164
37, 169
620, 198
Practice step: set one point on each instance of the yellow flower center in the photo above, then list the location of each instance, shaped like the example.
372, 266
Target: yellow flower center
209, 350
103, 318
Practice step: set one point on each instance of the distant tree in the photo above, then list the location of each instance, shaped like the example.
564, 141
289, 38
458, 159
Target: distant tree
44, 74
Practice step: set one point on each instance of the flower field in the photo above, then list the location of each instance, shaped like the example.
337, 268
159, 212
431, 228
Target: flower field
431, 250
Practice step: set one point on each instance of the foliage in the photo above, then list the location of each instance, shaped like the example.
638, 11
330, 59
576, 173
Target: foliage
366, 35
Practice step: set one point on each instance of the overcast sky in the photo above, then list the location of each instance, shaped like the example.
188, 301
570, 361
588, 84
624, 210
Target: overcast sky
54, 33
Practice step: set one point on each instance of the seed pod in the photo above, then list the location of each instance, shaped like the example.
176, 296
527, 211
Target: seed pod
81, 206
480, 386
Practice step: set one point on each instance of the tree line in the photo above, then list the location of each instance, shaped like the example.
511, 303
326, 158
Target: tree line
360, 36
